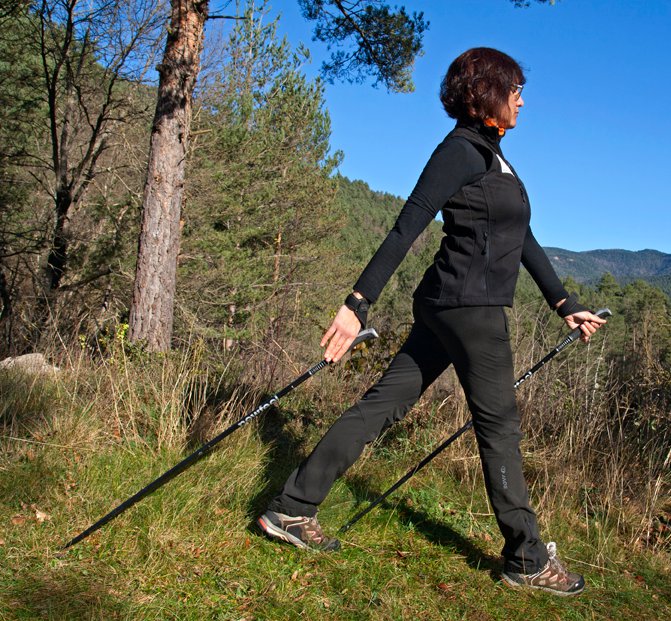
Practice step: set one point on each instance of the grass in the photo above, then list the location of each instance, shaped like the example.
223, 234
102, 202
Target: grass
76, 446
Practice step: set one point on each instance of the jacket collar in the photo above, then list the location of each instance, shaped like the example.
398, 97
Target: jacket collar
488, 134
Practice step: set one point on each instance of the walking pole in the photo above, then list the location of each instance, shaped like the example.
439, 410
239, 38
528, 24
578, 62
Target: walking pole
574, 335
204, 450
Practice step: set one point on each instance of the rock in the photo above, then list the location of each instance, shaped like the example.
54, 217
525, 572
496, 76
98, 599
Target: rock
31, 363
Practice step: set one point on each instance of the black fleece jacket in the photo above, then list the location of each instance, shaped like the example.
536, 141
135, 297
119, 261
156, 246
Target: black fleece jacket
486, 215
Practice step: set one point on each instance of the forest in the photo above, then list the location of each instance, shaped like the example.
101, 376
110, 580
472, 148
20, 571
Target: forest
269, 239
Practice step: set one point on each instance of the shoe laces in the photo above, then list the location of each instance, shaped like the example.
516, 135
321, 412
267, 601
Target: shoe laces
315, 530
554, 562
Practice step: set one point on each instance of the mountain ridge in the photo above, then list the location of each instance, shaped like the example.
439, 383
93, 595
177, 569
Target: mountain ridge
588, 266
373, 212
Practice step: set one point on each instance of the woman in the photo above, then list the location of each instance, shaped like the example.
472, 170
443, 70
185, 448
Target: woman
459, 320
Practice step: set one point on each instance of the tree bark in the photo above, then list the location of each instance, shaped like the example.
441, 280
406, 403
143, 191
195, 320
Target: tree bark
151, 313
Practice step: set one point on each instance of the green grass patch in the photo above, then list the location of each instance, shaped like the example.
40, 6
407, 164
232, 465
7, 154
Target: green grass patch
191, 551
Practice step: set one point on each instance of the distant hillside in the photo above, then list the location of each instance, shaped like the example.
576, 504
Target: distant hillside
625, 265
368, 215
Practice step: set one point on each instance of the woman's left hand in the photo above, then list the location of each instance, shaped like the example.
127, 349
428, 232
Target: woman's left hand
588, 323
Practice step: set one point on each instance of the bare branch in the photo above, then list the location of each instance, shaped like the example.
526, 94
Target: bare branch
241, 17
87, 281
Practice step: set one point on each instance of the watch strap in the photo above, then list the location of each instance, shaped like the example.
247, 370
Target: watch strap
359, 306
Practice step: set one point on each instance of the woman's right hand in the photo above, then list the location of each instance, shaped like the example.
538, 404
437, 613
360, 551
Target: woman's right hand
340, 335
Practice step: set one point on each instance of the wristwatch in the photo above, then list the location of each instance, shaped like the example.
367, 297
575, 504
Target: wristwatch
359, 306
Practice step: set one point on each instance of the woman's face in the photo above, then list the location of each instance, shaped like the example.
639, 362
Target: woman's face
509, 113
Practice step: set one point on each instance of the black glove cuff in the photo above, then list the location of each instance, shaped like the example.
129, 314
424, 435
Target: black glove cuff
359, 306
570, 306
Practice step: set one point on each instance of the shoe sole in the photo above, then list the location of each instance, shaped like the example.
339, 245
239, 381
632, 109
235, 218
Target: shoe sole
274, 532
516, 585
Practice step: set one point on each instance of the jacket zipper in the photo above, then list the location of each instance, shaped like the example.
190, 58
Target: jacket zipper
485, 251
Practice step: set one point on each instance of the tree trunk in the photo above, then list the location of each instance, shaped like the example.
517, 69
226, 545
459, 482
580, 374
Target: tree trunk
58, 253
54, 268
151, 314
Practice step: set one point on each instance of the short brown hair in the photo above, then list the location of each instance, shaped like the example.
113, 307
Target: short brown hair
478, 83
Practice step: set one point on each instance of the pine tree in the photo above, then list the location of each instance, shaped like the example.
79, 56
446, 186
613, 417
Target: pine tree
377, 31
259, 192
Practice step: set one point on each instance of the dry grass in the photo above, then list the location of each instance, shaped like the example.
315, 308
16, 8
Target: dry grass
76, 444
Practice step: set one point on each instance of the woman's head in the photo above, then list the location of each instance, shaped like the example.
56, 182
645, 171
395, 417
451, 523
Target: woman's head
482, 84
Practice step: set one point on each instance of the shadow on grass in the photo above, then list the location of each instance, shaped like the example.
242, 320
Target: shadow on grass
201, 427
434, 531
443, 535
284, 454
30, 481
66, 597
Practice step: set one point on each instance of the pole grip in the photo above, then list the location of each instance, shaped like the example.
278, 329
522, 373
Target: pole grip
364, 335
602, 313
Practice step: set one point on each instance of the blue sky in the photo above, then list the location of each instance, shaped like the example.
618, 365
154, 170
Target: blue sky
593, 140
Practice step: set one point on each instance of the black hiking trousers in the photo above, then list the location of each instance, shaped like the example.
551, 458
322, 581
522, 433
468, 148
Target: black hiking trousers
476, 341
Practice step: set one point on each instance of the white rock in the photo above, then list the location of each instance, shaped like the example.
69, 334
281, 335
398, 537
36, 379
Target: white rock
31, 363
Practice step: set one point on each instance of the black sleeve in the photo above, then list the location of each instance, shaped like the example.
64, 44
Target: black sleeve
453, 164
538, 265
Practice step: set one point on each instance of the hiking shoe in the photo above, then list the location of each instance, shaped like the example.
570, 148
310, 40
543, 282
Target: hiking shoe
303, 532
554, 577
